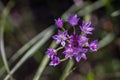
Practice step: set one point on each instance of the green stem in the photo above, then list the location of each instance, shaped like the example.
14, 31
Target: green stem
67, 70
63, 59
43, 64
73, 29
63, 29
59, 48
41, 67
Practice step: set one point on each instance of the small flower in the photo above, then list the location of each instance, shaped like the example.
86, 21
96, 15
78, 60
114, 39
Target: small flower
69, 52
61, 37
81, 53
83, 40
94, 45
73, 20
59, 22
55, 61
51, 52
86, 28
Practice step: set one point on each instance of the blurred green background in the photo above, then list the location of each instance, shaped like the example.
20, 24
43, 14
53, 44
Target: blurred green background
26, 27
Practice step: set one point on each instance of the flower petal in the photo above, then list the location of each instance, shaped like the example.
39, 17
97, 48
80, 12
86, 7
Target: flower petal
55, 37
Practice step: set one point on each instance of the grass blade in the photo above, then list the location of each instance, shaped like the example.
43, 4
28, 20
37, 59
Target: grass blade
30, 52
25, 48
43, 64
2, 23
90, 8
67, 70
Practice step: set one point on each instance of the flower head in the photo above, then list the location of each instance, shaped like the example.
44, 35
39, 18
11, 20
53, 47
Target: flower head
61, 37
75, 45
94, 45
51, 52
59, 22
86, 28
55, 61
73, 20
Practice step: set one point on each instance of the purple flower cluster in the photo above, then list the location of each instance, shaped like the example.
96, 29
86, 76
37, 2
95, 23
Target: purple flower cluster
74, 45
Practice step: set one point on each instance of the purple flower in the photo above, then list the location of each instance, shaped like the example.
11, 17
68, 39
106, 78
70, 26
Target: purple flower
81, 53
69, 52
55, 61
73, 20
83, 41
94, 45
75, 45
59, 22
51, 52
86, 28
61, 37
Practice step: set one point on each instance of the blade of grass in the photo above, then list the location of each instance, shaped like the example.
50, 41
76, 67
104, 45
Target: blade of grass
30, 52
116, 13
2, 23
90, 8
3, 54
43, 64
25, 48
106, 40
30, 43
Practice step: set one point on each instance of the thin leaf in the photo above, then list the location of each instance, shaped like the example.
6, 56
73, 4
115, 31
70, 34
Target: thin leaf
25, 48
67, 70
43, 64
2, 23
90, 8
31, 51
